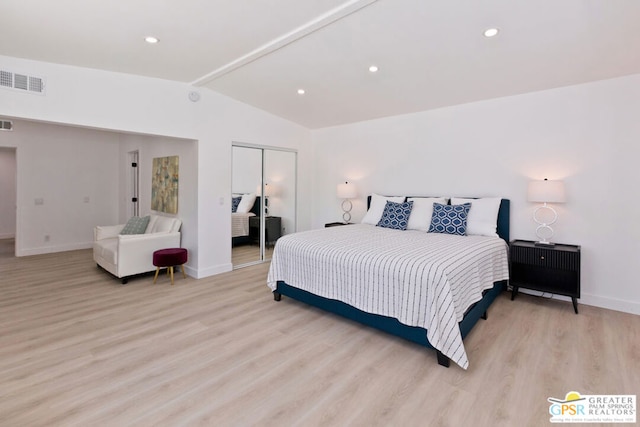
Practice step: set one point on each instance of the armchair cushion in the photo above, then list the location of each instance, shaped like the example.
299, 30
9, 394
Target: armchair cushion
106, 231
163, 224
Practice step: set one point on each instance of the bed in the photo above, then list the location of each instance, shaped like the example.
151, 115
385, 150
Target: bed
370, 274
240, 224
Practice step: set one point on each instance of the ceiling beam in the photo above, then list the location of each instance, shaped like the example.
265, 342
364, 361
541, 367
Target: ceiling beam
304, 30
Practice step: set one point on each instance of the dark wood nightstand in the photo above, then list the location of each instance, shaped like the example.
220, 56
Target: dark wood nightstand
554, 269
336, 224
273, 229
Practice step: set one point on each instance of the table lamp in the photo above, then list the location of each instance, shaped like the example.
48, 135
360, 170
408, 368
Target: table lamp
545, 192
346, 191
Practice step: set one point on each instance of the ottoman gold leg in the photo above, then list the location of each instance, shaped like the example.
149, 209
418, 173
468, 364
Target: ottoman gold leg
156, 276
183, 274
171, 270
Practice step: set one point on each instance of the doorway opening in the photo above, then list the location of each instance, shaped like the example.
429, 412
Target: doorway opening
8, 201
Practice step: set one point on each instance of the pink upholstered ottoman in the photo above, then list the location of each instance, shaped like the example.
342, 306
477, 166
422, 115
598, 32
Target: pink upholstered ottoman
169, 258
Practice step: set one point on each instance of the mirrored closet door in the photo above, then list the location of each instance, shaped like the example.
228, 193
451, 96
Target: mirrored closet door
263, 208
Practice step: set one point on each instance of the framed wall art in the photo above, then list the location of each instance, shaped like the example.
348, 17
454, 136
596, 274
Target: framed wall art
164, 184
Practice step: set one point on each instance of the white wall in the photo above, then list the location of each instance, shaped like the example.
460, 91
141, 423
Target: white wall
226, 121
7, 192
148, 148
133, 104
61, 166
586, 135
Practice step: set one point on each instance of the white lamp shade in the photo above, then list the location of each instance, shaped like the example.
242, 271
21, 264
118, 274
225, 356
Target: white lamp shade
347, 191
546, 191
269, 190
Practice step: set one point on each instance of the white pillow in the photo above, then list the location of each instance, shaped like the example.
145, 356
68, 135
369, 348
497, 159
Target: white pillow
377, 207
246, 203
162, 224
483, 215
422, 210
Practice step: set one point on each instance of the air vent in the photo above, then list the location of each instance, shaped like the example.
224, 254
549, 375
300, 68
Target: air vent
6, 125
22, 82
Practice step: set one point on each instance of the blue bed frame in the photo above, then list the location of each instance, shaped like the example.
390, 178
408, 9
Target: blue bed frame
392, 325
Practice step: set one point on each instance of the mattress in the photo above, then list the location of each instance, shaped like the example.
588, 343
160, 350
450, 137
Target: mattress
422, 279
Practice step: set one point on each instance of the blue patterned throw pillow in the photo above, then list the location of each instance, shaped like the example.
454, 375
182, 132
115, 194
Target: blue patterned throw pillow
234, 203
136, 225
395, 215
449, 219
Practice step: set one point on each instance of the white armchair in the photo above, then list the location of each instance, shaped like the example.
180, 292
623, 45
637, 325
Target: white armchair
125, 255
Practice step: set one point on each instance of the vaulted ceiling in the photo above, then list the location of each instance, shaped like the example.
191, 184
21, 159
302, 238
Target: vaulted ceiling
429, 53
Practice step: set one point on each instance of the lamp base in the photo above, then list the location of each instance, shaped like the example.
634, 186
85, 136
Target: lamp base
346, 208
544, 230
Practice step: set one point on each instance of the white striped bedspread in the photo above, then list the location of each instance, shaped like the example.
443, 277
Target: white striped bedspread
240, 224
422, 279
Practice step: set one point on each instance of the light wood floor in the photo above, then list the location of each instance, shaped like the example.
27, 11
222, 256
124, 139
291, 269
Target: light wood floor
7, 248
244, 254
77, 348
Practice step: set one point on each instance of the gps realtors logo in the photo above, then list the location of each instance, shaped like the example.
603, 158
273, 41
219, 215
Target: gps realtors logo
576, 408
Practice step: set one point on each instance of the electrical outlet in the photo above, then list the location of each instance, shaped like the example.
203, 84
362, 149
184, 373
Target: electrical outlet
47, 238
86, 199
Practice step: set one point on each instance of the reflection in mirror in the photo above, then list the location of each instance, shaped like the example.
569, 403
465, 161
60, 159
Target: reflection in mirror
245, 205
280, 196
263, 180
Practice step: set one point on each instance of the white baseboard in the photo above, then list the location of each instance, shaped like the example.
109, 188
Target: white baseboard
53, 249
8, 236
595, 301
209, 271
611, 303
193, 272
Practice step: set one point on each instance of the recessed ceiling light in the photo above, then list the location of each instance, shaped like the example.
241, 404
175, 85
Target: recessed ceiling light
491, 32
300, 91
373, 68
151, 40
